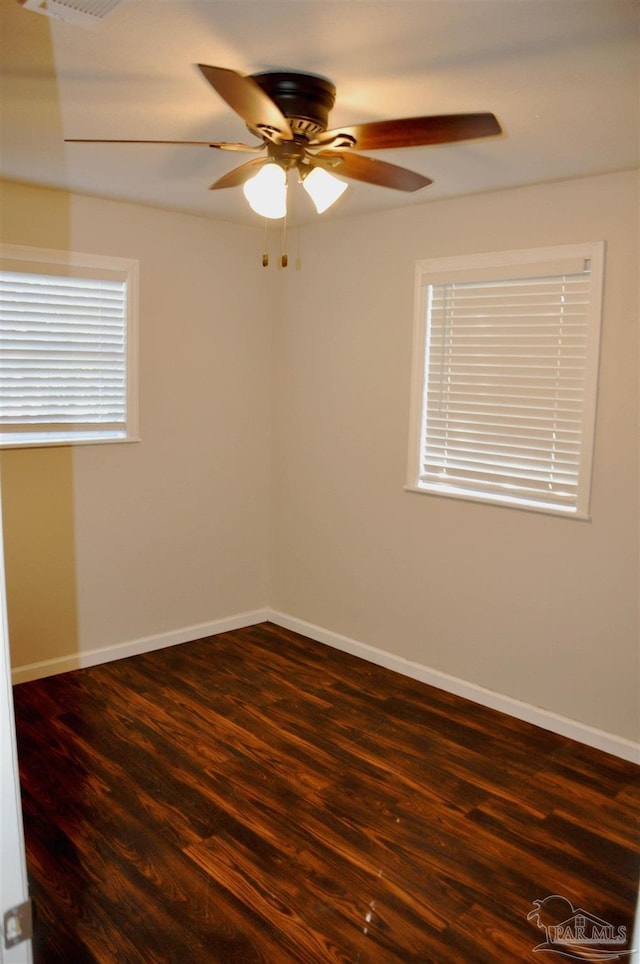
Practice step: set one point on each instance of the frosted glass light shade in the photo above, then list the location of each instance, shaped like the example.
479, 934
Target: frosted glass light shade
267, 192
323, 188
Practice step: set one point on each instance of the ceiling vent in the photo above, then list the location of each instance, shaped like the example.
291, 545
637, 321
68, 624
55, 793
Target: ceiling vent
88, 12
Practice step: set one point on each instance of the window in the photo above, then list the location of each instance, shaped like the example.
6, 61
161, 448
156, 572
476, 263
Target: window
505, 376
67, 348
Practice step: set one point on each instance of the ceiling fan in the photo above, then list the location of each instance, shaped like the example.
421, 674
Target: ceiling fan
289, 113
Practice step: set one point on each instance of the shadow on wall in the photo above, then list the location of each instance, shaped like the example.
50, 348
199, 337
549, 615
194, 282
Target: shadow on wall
37, 484
39, 543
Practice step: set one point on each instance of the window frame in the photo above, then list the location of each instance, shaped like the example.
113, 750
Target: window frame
29, 260
490, 266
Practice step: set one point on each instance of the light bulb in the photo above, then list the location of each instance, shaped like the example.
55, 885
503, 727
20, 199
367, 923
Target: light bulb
323, 188
267, 191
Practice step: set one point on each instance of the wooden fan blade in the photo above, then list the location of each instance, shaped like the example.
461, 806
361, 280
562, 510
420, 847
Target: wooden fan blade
248, 99
240, 174
414, 131
372, 171
219, 145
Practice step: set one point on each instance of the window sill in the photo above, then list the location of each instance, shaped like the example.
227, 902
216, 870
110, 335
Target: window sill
502, 502
23, 441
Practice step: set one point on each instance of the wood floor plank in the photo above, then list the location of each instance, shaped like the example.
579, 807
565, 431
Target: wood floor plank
259, 797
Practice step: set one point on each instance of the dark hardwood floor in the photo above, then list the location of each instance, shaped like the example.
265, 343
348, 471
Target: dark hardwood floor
256, 796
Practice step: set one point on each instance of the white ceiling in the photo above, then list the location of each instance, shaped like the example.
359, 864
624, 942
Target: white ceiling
562, 76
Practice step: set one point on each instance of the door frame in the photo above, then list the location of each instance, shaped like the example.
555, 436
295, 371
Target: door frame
14, 888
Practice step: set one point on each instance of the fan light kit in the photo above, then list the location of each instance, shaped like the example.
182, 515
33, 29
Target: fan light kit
288, 112
323, 188
267, 191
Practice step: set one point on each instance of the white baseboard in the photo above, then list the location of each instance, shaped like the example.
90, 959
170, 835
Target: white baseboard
106, 654
599, 739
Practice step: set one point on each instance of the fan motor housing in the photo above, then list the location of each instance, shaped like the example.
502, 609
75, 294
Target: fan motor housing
304, 99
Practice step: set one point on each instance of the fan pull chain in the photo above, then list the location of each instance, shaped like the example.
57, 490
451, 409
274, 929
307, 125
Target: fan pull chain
284, 259
298, 258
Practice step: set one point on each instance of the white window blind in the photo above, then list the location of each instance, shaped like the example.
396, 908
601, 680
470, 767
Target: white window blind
508, 373
65, 354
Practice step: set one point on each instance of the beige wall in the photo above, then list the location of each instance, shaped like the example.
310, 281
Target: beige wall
539, 608
110, 543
